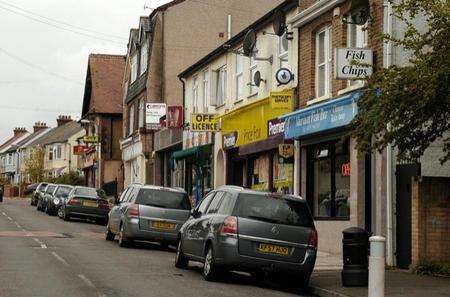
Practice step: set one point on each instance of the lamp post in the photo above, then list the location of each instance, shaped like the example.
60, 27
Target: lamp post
98, 145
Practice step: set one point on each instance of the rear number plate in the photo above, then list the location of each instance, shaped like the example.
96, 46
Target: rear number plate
273, 249
90, 204
163, 225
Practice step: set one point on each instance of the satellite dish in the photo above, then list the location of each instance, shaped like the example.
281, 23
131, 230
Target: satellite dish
249, 42
279, 22
257, 78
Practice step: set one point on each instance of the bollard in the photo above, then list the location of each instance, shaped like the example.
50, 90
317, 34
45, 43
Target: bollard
376, 266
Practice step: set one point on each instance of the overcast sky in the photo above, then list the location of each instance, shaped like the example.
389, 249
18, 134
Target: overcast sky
45, 76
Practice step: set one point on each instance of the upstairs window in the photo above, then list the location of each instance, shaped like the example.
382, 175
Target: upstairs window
239, 77
205, 93
283, 47
141, 113
50, 153
323, 63
195, 94
134, 67
144, 57
357, 37
221, 86
131, 110
58, 152
253, 68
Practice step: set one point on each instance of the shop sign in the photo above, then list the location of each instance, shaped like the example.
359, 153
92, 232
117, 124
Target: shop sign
90, 138
204, 122
153, 114
174, 117
229, 140
286, 150
353, 63
281, 100
345, 169
79, 150
322, 117
275, 127
284, 76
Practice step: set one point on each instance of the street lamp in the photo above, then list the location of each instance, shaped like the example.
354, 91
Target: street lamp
98, 145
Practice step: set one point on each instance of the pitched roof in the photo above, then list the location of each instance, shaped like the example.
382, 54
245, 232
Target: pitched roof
103, 86
33, 136
12, 141
59, 134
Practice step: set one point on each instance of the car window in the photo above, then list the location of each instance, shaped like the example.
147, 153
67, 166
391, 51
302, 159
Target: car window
205, 202
277, 210
163, 199
226, 206
63, 191
91, 192
41, 187
124, 195
131, 194
215, 203
50, 189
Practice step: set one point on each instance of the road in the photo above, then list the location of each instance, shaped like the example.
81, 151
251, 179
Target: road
44, 256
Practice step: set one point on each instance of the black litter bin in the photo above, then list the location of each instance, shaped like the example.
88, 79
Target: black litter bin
1, 194
355, 243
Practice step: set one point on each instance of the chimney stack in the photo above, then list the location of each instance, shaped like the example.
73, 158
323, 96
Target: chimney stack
19, 131
63, 119
39, 126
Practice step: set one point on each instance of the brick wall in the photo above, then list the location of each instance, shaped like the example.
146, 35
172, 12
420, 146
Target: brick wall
306, 75
430, 219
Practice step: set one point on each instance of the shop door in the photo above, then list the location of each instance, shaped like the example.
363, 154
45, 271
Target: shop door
404, 174
236, 173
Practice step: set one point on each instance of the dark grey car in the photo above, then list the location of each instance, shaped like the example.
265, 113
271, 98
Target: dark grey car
43, 198
60, 195
149, 213
85, 203
238, 229
37, 193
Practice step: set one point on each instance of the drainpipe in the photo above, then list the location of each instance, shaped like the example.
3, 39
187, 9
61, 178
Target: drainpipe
390, 205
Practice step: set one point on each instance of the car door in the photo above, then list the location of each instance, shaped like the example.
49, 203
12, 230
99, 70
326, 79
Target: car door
192, 227
115, 215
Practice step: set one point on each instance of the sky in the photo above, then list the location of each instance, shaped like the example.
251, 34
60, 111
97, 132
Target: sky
43, 61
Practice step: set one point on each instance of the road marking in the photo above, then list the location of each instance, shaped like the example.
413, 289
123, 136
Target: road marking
86, 280
43, 245
18, 225
60, 259
9, 218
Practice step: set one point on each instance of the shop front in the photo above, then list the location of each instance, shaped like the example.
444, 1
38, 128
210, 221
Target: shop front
333, 176
257, 155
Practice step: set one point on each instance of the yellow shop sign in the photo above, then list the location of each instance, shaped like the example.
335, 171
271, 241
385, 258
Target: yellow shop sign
281, 100
204, 122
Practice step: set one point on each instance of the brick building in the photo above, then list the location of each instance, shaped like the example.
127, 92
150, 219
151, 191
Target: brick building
102, 119
173, 37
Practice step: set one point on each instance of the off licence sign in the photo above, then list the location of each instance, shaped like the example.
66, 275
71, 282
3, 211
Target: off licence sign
204, 122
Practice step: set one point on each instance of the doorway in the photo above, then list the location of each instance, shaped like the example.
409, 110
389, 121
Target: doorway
404, 175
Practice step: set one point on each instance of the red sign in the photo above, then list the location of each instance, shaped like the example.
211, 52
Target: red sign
345, 169
174, 117
79, 150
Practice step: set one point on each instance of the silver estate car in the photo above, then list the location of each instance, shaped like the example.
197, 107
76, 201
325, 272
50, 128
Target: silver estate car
239, 229
149, 213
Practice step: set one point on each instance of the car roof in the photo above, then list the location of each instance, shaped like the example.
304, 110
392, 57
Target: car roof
161, 188
69, 186
238, 189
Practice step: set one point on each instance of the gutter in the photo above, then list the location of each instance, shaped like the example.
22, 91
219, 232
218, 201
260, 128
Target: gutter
313, 12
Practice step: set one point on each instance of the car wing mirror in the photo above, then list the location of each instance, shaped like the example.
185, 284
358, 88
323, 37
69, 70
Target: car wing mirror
195, 213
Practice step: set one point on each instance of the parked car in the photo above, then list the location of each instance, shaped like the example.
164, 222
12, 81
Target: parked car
239, 229
150, 213
49, 190
53, 204
85, 203
30, 189
39, 190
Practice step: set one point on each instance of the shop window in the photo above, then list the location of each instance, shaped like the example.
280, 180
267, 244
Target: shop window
323, 63
283, 174
258, 173
329, 179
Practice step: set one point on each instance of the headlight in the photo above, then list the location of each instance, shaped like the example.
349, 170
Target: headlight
56, 201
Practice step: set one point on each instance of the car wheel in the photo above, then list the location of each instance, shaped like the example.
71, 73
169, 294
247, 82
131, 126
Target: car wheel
66, 217
211, 271
60, 212
180, 259
109, 235
123, 241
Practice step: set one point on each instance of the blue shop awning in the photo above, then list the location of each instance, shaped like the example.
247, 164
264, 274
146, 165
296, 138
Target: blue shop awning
321, 117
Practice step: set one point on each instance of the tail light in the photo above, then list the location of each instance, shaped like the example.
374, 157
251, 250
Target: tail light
133, 211
229, 226
73, 201
313, 238
103, 204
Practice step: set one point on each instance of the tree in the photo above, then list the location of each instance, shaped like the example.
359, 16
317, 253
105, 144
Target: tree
71, 178
34, 165
409, 106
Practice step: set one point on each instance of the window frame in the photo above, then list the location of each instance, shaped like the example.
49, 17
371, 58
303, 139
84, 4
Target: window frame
253, 89
359, 43
238, 77
131, 119
143, 63
327, 63
283, 55
217, 198
134, 67
221, 86
195, 94
205, 90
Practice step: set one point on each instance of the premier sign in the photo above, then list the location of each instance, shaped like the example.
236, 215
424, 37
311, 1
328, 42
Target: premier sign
353, 63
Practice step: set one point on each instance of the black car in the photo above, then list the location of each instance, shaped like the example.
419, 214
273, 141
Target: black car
85, 203
37, 193
53, 204
45, 195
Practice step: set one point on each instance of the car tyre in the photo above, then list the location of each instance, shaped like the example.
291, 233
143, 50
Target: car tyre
180, 259
66, 217
109, 236
123, 241
211, 271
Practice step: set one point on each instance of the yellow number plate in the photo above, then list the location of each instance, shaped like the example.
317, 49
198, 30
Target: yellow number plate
273, 249
90, 204
163, 225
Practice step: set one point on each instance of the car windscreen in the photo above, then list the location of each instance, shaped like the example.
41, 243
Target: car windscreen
277, 210
163, 199
50, 189
41, 187
90, 192
63, 192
